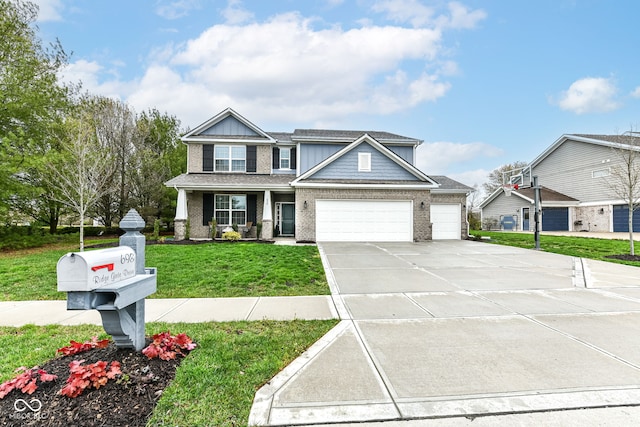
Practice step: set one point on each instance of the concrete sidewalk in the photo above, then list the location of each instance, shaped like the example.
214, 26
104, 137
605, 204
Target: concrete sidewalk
188, 310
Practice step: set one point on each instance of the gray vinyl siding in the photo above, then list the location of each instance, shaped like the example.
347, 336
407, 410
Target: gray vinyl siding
569, 168
312, 154
404, 152
346, 167
229, 127
503, 205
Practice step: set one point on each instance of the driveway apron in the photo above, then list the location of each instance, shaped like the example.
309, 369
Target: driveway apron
459, 328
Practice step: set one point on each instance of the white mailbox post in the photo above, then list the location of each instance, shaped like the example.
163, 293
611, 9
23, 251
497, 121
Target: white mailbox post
113, 281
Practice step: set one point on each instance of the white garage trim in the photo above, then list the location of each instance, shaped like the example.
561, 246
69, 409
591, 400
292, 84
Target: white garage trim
446, 222
364, 220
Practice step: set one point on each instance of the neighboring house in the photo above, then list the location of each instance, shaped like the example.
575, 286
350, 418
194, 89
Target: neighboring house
574, 173
314, 185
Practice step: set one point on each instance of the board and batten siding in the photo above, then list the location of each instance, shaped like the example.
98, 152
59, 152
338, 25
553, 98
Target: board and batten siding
569, 170
346, 167
312, 154
230, 126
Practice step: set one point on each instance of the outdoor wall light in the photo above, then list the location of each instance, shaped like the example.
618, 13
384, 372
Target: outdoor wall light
305, 205
422, 205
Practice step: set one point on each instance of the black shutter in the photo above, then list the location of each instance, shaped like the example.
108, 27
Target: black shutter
207, 208
251, 158
292, 161
252, 208
207, 158
276, 158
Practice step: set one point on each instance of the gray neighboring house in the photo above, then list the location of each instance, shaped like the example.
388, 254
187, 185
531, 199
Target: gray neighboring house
312, 185
576, 196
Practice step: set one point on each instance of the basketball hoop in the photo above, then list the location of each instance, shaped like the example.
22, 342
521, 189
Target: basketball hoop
508, 188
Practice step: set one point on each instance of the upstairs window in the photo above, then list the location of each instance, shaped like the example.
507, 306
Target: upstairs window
285, 158
364, 162
230, 158
600, 173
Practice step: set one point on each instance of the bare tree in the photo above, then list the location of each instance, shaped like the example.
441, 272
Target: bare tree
81, 170
496, 176
624, 180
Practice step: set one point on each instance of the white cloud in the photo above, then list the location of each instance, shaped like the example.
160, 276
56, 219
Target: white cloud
176, 9
50, 10
438, 157
636, 92
234, 13
589, 95
285, 68
419, 15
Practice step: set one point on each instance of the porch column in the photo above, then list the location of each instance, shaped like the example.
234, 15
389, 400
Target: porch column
267, 218
180, 221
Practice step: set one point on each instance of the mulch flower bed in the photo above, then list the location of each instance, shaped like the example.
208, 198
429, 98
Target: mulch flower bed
625, 257
128, 400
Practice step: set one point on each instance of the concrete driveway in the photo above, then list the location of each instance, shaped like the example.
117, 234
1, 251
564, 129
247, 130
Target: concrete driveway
462, 329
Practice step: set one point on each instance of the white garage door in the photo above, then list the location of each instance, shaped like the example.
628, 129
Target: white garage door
364, 221
446, 222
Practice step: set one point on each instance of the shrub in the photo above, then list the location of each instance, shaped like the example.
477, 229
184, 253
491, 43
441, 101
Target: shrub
156, 229
233, 236
259, 230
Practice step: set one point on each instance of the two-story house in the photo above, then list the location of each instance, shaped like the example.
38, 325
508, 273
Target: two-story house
313, 185
575, 173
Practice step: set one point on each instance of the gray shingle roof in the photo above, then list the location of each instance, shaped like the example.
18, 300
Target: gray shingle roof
620, 139
447, 183
222, 180
350, 135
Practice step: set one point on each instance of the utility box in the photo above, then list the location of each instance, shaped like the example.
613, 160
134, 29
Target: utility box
87, 271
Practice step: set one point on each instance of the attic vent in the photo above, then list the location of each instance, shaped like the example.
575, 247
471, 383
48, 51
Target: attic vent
364, 162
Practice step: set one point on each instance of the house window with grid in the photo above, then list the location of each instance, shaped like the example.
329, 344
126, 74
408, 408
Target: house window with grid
231, 209
230, 158
285, 158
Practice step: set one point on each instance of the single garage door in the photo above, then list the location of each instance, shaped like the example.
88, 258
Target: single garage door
446, 222
621, 219
555, 219
364, 221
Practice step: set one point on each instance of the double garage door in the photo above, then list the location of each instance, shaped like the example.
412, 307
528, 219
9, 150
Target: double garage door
378, 221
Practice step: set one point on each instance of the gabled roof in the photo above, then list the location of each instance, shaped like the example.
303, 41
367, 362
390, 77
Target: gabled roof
547, 196
448, 185
254, 134
613, 141
422, 178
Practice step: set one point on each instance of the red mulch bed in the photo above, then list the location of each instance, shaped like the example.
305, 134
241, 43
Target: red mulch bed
127, 403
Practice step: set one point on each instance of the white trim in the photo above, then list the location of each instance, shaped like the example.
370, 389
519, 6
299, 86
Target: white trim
364, 162
380, 186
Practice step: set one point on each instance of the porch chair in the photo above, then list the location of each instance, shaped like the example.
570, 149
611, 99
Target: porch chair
246, 229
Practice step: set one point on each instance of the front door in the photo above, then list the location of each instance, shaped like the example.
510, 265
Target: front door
288, 219
525, 219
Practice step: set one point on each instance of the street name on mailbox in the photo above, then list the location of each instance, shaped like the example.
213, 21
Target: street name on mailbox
86, 271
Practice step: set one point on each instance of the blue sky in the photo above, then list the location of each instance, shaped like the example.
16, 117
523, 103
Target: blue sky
483, 83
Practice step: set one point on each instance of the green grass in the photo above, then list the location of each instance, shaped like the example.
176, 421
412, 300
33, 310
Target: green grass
582, 247
214, 385
184, 271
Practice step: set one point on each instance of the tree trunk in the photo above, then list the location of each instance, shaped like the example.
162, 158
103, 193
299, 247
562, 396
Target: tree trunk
82, 232
631, 245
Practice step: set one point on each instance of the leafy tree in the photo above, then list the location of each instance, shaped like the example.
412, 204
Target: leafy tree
159, 156
31, 100
624, 180
496, 177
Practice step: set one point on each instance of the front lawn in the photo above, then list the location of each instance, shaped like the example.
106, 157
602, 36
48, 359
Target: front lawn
214, 385
582, 247
209, 270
